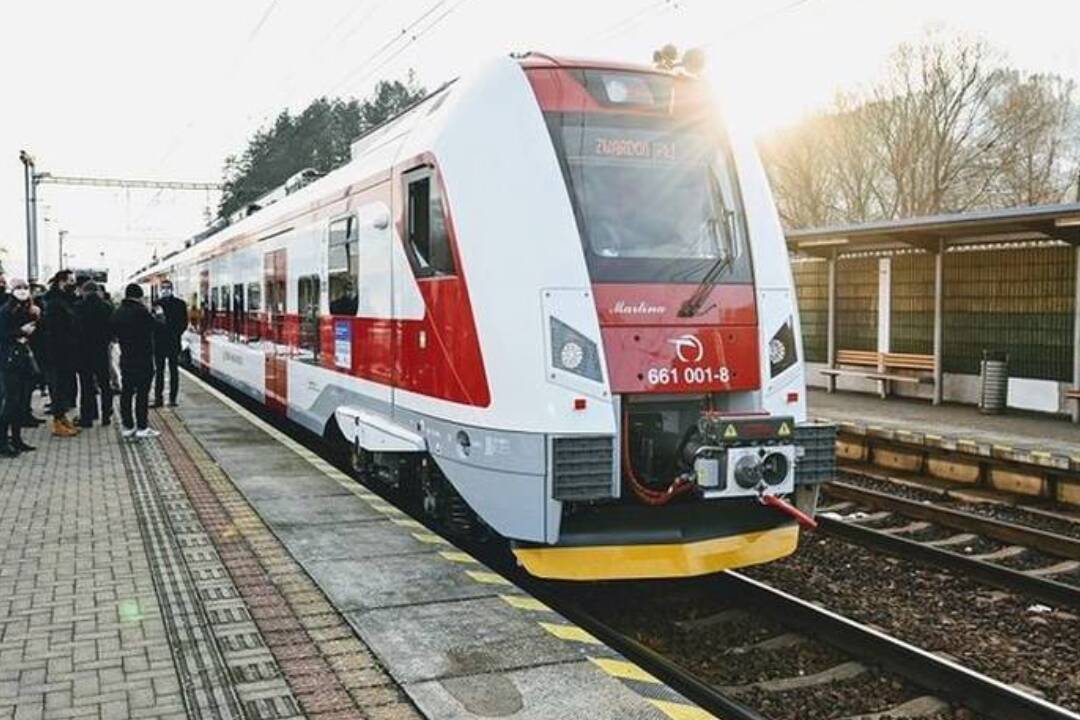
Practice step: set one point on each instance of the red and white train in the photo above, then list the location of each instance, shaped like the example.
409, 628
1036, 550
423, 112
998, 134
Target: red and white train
554, 301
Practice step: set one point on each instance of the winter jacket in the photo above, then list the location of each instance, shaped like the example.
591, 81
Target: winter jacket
94, 316
134, 328
168, 333
60, 328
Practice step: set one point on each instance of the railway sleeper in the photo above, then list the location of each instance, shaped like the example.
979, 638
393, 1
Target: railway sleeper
922, 706
837, 673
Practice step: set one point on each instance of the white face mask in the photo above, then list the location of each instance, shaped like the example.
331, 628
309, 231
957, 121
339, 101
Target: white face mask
21, 294
166, 292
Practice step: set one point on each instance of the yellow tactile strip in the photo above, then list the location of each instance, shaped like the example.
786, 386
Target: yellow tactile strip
329, 670
663, 698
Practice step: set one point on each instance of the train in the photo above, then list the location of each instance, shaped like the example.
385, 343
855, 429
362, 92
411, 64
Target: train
551, 303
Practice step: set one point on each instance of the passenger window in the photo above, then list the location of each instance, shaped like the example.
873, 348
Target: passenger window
239, 318
226, 309
342, 260
427, 231
254, 297
215, 307
307, 299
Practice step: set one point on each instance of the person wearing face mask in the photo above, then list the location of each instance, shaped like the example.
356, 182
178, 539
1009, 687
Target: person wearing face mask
135, 328
61, 343
17, 324
173, 312
95, 333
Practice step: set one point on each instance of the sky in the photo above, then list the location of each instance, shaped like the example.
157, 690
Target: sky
157, 90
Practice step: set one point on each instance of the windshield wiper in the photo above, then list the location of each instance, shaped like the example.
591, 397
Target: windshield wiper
692, 305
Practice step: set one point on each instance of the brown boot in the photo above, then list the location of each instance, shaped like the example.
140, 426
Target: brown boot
59, 429
69, 424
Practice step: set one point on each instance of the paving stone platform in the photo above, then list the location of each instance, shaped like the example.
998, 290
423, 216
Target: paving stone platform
136, 582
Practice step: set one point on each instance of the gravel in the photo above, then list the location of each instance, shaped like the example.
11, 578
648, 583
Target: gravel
1001, 635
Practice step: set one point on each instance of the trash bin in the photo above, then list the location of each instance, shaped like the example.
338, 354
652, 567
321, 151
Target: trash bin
994, 376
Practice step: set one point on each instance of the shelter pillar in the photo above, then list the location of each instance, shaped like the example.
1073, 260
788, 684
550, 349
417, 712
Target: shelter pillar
830, 323
1076, 333
939, 306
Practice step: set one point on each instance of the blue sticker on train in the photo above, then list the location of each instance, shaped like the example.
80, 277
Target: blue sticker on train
343, 344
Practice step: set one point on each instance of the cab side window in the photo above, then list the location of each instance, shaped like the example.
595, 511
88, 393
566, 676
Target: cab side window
429, 240
343, 256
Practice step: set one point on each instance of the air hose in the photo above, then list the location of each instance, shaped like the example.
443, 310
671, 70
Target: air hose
645, 494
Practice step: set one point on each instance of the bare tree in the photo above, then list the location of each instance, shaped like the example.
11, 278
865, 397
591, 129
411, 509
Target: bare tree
1037, 163
945, 128
798, 168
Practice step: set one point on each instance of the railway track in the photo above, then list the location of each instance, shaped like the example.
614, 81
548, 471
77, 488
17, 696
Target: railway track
956, 540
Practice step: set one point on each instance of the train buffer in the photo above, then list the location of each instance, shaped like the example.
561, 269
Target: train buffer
225, 570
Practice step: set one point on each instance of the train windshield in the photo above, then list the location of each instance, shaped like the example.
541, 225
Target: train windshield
655, 199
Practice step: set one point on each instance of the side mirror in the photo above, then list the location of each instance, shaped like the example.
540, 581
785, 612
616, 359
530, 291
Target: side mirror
380, 218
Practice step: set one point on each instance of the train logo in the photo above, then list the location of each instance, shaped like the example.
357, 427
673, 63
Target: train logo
688, 345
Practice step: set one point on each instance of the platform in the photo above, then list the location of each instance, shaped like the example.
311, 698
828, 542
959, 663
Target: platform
1017, 443
224, 570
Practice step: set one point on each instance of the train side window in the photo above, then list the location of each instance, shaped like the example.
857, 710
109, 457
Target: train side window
254, 297
226, 308
307, 300
215, 307
239, 326
343, 255
428, 236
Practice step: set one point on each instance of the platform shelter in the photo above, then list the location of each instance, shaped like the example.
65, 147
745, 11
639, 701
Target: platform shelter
920, 300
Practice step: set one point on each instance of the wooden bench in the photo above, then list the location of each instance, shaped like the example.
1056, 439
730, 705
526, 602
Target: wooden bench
882, 364
856, 358
1073, 394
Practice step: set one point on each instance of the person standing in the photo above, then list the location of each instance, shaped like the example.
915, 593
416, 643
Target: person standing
134, 328
95, 333
174, 314
17, 324
59, 324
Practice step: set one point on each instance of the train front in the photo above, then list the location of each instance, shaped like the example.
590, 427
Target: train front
715, 464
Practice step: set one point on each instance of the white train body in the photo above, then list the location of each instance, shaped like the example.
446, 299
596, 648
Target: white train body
508, 314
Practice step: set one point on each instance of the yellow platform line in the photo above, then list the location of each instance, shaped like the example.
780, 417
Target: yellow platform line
407, 522
385, 509
623, 670
524, 602
570, 632
488, 578
458, 557
681, 711
429, 538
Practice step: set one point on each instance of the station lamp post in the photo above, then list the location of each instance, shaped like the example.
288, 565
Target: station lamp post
30, 180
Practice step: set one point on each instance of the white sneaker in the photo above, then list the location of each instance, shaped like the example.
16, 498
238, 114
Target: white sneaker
127, 433
146, 433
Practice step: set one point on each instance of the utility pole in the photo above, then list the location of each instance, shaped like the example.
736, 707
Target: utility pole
61, 235
30, 184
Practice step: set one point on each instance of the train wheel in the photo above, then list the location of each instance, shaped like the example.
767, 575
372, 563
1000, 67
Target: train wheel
441, 502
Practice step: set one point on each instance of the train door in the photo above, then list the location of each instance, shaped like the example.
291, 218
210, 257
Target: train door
204, 317
275, 343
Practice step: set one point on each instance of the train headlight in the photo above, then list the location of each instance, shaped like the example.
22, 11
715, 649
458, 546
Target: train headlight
782, 349
571, 355
574, 353
777, 351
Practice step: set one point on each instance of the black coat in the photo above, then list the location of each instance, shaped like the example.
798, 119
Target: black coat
95, 327
13, 315
168, 333
134, 328
60, 328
